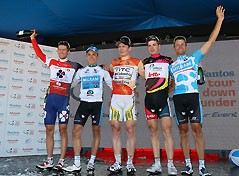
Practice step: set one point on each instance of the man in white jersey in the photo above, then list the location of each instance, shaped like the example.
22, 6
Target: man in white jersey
91, 80
186, 98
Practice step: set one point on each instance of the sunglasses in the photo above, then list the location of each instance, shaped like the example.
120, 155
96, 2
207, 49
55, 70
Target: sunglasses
152, 37
179, 38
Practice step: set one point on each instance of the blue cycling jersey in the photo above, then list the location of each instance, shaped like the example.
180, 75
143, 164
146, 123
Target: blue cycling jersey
184, 72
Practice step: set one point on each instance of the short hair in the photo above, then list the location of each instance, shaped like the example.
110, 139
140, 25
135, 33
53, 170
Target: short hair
179, 38
152, 37
65, 43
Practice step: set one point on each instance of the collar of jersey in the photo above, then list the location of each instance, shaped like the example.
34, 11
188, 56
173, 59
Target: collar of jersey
155, 55
182, 57
92, 65
63, 60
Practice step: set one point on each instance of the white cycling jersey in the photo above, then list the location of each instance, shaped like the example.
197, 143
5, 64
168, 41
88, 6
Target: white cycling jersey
91, 80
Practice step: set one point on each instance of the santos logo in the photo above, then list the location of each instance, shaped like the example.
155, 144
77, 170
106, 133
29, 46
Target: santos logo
30, 114
19, 55
13, 133
28, 132
41, 140
16, 96
4, 61
30, 106
17, 80
18, 70
32, 56
12, 150
3, 51
28, 141
47, 51
32, 64
18, 61
16, 106
19, 45
3, 87
32, 80
14, 123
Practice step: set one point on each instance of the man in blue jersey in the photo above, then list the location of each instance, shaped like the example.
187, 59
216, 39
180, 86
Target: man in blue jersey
91, 79
186, 95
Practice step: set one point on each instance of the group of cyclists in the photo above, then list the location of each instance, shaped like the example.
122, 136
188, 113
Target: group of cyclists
161, 75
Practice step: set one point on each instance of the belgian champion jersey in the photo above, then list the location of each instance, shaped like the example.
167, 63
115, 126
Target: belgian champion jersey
61, 71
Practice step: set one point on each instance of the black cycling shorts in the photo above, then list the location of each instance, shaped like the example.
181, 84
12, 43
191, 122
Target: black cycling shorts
86, 109
187, 107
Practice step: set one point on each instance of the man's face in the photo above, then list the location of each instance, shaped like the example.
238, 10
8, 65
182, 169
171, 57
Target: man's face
91, 57
62, 51
153, 47
124, 50
180, 47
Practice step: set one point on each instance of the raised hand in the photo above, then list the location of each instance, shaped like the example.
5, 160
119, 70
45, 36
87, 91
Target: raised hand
220, 12
34, 34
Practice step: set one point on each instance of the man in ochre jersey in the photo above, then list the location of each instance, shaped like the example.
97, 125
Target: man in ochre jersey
156, 103
125, 70
186, 98
91, 79
57, 104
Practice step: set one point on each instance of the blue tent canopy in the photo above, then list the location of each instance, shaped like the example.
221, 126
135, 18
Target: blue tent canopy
90, 21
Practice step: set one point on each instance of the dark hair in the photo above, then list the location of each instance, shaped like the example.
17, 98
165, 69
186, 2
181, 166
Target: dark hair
65, 43
152, 37
179, 38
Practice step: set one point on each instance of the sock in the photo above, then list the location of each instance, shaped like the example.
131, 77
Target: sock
201, 163
77, 160
50, 160
130, 160
188, 162
61, 160
118, 158
170, 162
157, 160
92, 159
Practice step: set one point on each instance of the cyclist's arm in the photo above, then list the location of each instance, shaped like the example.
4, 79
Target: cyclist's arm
220, 17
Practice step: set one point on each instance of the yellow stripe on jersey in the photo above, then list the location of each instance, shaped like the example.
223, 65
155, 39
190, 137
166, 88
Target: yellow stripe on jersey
115, 114
129, 114
165, 85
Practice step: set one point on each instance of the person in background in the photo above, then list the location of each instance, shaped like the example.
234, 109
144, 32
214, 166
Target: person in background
186, 98
57, 103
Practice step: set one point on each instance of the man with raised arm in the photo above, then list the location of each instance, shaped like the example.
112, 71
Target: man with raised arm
186, 98
57, 104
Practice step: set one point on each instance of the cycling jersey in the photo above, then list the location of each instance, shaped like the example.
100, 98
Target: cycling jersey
157, 73
125, 73
61, 71
91, 79
184, 71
